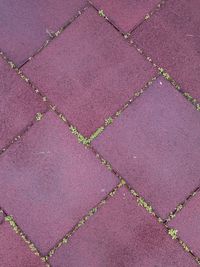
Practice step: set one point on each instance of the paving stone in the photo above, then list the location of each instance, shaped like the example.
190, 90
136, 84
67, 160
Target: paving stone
14, 252
24, 24
187, 224
154, 145
89, 72
125, 14
122, 234
49, 181
18, 104
171, 39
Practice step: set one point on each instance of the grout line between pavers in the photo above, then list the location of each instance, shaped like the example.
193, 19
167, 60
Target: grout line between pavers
81, 138
84, 219
38, 117
181, 205
53, 107
142, 202
164, 73
12, 223
54, 35
111, 119
174, 235
148, 15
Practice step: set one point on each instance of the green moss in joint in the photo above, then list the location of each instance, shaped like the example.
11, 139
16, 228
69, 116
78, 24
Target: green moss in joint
101, 13
141, 202
173, 233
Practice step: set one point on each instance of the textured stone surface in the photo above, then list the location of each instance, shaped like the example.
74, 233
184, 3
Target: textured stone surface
154, 144
49, 181
14, 252
171, 39
18, 104
187, 224
24, 24
125, 14
89, 68
122, 234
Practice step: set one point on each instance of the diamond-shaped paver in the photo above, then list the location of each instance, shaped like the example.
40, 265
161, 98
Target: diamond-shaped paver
14, 252
121, 234
171, 38
18, 104
125, 14
187, 223
24, 24
89, 71
49, 181
154, 145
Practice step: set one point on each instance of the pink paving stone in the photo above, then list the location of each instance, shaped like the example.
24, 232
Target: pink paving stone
18, 104
171, 38
187, 224
24, 24
154, 145
14, 252
125, 14
121, 234
48, 181
89, 71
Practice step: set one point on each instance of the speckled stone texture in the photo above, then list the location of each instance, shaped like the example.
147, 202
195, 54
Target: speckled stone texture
14, 252
171, 39
89, 72
48, 181
18, 104
121, 234
187, 223
24, 24
154, 145
125, 14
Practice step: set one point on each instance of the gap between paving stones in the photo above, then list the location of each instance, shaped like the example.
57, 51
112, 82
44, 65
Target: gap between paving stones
53, 35
149, 15
15, 227
160, 69
142, 202
181, 205
84, 219
38, 117
108, 121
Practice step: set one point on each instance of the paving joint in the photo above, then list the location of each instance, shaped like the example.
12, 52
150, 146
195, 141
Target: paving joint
53, 35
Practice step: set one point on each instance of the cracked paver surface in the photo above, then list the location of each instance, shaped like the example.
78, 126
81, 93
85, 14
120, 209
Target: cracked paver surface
99, 133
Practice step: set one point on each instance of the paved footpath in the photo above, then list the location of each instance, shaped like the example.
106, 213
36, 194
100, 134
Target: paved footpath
99, 133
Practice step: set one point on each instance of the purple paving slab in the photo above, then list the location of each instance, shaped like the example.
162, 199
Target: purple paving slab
18, 104
154, 145
24, 24
187, 224
171, 38
89, 71
48, 181
121, 234
125, 14
14, 252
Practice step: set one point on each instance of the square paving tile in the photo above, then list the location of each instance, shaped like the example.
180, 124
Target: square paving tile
154, 145
14, 252
18, 104
187, 224
121, 234
125, 14
24, 24
48, 181
89, 71
171, 38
